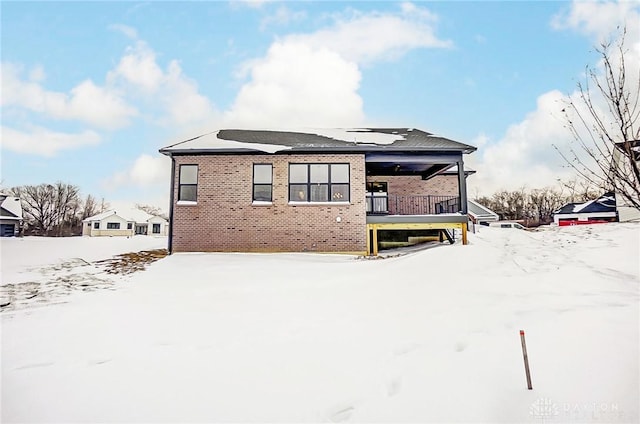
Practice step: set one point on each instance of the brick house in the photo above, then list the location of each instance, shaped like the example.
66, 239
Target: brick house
330, 190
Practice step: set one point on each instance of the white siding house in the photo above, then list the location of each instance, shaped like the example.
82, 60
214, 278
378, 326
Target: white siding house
124, 223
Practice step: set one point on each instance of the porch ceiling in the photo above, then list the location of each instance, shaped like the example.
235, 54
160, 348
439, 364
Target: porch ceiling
425, 170
425, 165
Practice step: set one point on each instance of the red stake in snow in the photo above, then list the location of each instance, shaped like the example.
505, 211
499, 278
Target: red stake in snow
526, 360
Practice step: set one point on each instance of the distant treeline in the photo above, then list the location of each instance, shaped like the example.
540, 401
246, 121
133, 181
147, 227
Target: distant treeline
536, 206
58, 209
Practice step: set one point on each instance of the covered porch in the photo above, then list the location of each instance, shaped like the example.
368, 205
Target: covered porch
415, 191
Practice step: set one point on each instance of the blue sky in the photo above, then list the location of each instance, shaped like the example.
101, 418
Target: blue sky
92, 90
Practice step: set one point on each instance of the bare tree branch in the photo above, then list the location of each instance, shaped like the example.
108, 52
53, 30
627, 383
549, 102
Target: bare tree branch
603, 119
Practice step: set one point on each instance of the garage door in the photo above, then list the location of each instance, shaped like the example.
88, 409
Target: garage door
7, 230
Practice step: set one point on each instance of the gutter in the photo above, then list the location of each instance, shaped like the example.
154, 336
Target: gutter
171, 191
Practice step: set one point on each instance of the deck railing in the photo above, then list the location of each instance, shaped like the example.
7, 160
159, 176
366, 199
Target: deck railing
390, 204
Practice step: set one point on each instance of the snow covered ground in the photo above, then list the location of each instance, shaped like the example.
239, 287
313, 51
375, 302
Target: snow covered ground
41, 270
432, 336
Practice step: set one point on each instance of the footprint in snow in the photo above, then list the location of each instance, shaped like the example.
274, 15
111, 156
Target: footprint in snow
100, 361
37, 365
394, 386
341, 414
460, 346
406, 349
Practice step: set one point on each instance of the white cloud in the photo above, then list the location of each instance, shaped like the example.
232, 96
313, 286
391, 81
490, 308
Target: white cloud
365, 38
43, 142
525, 155
313, 79
255, 4
600, 19
138, 67
37, 74
146, 170
296, 85
177, 95
282, 16
126, 30
101, 107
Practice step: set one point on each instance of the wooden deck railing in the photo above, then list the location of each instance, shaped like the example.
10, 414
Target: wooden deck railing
389, 204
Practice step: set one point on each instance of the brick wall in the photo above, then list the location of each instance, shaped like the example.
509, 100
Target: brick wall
441, 185
224, 218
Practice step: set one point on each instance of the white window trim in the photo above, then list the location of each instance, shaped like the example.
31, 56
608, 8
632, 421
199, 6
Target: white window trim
186, 202
294, 203
261, 203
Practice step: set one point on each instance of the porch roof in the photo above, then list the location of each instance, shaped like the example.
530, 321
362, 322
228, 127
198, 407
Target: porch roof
343, 140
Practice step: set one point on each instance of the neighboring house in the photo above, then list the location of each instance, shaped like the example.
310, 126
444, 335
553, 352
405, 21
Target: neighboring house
600, 210
480, 214
124, 223
329, 190
10, 215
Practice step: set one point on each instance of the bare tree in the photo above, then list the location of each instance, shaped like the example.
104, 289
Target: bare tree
603, 119
534, 207
104, 205
579, 190
67, 203
89, 208
151, 210
544, 202
49, 209
38, 206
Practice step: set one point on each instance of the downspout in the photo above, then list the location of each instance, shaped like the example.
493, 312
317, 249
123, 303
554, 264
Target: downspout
172, 191
462, 187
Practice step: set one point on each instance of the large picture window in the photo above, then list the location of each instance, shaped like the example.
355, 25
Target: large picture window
188, 183
262, 182
319, 182
113, 225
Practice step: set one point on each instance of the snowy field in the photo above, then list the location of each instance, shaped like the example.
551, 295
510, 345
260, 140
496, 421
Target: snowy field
431, 336
42, 270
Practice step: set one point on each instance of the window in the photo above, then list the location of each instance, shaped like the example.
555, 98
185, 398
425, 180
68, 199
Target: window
96, 225
156, 229
113, 225
262, 182
188, 183
129, 225
377, 187
89, 224
319, 182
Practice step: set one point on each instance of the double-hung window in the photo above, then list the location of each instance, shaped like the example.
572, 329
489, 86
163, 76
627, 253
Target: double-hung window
262, 182
188, 183
319, 182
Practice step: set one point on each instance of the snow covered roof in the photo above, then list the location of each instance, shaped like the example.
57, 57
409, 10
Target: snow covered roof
316, 140
478, 211
130, 215
604, 203
12, 205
